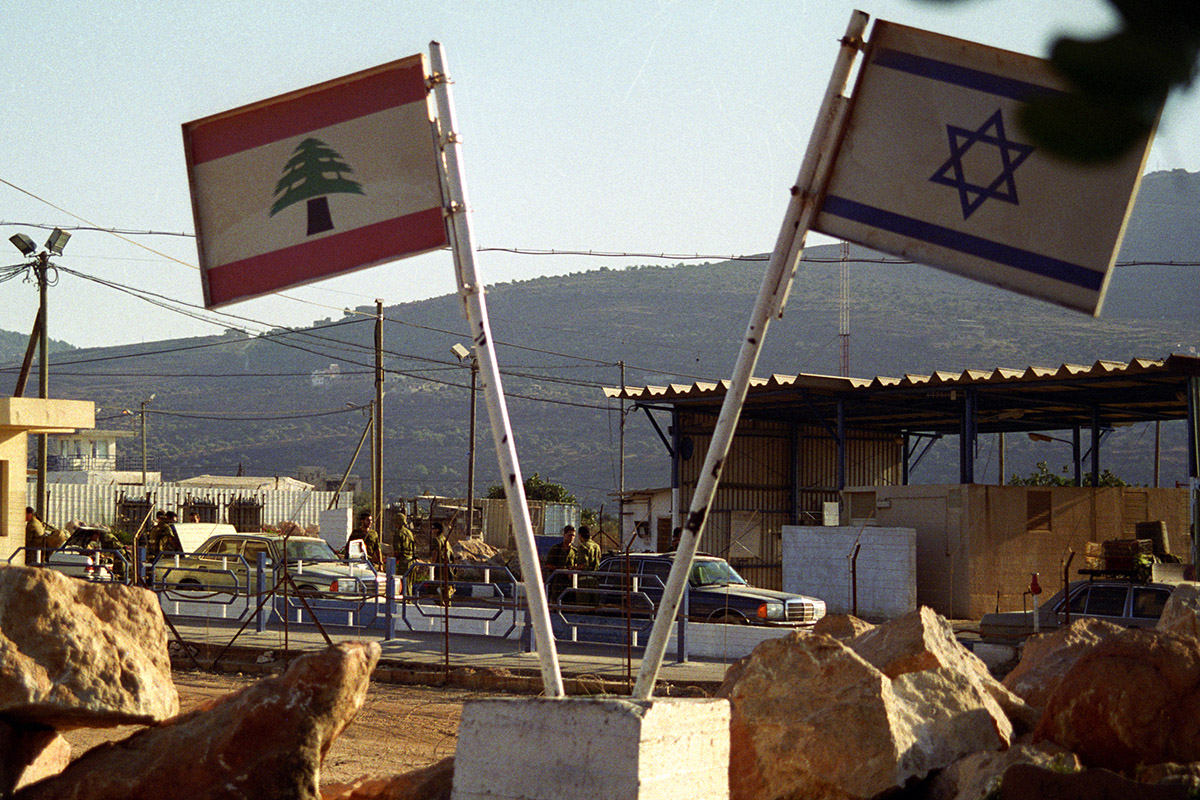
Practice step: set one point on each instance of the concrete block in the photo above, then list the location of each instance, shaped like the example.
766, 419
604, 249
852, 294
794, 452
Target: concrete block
612, 748
336, 525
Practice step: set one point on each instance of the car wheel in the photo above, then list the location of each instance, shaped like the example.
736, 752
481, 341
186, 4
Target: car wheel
308, 591
189, 585
728, 618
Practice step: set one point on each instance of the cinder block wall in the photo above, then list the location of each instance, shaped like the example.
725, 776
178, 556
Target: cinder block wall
977, 545
816, 562
12, 495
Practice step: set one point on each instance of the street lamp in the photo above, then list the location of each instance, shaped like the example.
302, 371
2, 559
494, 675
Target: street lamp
40, 262
144, 402
462, 354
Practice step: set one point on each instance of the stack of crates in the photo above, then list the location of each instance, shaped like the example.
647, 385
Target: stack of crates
1122, 555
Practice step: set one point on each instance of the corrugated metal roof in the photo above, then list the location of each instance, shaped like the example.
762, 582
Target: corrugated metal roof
1029, 398
939, 378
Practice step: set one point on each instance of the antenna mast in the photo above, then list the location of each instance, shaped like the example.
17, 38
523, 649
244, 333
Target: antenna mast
844, 310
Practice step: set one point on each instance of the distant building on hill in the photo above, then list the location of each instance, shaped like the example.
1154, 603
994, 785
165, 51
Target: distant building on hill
91, 457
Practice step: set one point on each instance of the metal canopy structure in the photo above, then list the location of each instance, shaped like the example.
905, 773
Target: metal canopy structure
1098, 397
1006, 400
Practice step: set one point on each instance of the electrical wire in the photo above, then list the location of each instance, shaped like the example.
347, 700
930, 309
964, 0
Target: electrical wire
253, 417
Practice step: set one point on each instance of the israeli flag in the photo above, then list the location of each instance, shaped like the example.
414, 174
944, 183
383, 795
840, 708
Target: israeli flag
932, 166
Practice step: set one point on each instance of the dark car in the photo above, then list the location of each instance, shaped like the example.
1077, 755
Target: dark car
1127, 603
716, 592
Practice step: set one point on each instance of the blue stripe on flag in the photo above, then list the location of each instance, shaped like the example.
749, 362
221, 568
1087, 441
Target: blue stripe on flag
1014, 257
966, 77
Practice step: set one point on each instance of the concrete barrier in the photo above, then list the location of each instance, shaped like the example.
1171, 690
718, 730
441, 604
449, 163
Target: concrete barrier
610, 748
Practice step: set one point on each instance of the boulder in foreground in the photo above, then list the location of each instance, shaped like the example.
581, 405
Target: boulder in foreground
264, 742
81, 654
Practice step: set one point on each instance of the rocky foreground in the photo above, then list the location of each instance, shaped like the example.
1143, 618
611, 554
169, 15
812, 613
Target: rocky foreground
846, 711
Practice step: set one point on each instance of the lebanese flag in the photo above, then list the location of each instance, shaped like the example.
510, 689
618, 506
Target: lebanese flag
315, 183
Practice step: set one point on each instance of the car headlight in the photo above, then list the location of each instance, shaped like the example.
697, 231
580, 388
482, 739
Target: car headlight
770, 611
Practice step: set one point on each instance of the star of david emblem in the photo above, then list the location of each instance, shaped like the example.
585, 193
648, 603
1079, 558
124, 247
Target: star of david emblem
1010, 155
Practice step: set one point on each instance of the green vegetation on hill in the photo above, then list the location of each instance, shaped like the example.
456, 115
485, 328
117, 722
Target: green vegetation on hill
668, 323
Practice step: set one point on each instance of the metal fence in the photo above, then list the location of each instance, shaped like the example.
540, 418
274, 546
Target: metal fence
103, 504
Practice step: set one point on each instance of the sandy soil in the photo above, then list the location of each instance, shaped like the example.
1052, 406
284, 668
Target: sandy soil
398, 729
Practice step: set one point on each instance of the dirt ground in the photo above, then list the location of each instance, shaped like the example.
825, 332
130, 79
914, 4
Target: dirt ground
399, 728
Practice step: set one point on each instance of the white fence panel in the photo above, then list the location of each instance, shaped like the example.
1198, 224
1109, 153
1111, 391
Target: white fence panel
96, 504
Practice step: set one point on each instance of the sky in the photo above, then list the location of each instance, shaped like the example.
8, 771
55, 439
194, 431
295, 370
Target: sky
610, 126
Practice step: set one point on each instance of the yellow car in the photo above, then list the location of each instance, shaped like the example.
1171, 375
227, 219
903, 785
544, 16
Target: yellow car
228, 563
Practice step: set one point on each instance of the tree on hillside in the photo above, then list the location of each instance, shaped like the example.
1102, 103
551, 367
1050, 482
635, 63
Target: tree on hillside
314, 171
537, 488
1118, 82
1042, 476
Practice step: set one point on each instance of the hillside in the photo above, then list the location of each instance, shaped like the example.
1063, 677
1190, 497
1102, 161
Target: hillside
673, 323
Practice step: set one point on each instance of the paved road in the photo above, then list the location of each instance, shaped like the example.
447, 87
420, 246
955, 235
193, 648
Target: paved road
427, 651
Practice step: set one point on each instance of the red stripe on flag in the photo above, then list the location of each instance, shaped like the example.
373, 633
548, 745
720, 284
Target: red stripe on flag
288, 115
324, 257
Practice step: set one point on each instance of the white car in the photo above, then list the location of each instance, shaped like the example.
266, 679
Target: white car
76, 559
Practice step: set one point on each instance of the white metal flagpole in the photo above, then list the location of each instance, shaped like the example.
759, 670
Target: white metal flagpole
772, 297
470, 291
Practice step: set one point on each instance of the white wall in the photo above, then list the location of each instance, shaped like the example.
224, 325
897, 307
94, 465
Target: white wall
97, 504
816, 562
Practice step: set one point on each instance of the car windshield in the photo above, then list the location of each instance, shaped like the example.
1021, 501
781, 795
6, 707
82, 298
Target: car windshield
714, 572
310, 550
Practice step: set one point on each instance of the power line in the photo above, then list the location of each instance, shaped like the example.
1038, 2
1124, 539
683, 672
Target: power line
254, 417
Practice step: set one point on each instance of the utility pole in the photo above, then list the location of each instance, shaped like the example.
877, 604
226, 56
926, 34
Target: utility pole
144, 402
621, 471
377, 478
471, 449
40, 267
40, 264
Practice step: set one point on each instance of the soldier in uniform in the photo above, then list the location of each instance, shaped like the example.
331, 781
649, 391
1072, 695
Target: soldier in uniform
440, 552
404, 544
587, 557
100, 539
560, 556
162, 538
153, 534
169, 538
35, 537
369, 537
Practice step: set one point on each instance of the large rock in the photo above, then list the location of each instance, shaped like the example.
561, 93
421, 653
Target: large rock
475, 551
1133, 699
1047, 657
923, 640
810, 718
431, 783
264, 742
29, 754
975, 776
74, 653
1181, 615
1025, 782
842, 626
1185, 775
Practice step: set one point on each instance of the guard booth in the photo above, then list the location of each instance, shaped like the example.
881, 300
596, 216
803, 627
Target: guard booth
19, 417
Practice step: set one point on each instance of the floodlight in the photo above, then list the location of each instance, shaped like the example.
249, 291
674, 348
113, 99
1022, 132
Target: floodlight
23, 243
460, 352
57, 241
